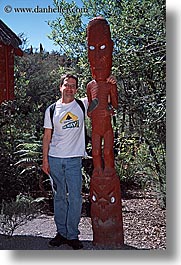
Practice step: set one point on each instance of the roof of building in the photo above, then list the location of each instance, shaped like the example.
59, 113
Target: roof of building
7, 36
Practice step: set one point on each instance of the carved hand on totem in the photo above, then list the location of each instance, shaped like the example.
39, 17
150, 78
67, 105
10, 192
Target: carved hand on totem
94, 86
93, 93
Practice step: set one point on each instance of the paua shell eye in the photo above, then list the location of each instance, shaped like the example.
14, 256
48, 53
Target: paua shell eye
113, 199
102, 47
93, 198
91, 47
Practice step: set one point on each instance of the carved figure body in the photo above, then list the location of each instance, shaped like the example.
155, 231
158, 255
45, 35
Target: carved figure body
101, 125
100, 110
105, 193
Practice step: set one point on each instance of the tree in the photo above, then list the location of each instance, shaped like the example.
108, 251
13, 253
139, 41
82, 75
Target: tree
139, 61
21, 122
138, 32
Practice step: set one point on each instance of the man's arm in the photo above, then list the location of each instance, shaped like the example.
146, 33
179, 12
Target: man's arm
46, 142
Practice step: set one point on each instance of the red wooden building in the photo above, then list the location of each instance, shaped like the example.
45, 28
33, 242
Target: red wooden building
9, 47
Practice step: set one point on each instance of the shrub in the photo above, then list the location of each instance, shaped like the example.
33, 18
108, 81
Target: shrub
17, 212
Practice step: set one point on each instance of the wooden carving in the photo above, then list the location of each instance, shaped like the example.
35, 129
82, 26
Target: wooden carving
106, 210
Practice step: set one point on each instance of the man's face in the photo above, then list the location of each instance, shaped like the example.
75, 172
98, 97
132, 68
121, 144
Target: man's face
100, 48
68, 88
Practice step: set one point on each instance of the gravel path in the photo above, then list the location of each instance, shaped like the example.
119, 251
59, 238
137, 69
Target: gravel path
144, 225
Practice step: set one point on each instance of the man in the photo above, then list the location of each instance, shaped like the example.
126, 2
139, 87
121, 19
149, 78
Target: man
63, 149
62, 159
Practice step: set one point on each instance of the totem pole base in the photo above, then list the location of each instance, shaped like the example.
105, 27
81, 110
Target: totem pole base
106, 211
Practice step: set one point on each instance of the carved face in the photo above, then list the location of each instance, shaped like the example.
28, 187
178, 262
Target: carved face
106, 211
105, 198
100, 47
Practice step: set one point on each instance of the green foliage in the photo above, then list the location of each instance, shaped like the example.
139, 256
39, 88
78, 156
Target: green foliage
21, 122
17, 212
138, 30
67, 30
135, 161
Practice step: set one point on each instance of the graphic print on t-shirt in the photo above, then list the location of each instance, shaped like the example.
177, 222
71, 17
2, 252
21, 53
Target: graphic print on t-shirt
70, 121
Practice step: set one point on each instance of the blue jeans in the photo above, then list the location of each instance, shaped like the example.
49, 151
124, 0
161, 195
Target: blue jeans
67, 186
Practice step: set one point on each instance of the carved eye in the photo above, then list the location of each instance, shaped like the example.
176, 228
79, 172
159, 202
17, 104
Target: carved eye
113, 199
93, 198
91, 47
102, 47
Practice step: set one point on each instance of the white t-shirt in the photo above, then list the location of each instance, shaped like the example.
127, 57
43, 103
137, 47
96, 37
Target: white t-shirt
68, 139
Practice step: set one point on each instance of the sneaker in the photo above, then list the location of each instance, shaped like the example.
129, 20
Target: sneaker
75, 244
57, 241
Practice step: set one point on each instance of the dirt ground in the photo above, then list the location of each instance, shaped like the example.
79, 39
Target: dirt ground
144, 224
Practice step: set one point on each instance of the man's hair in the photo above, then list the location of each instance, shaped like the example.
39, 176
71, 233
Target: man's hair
68, 76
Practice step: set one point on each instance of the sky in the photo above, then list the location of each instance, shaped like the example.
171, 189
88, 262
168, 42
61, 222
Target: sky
33, 25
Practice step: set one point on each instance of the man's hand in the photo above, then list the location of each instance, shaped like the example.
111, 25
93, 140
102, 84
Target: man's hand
111, 79
45, 167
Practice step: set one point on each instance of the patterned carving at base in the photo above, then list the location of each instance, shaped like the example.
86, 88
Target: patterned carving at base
106, 210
